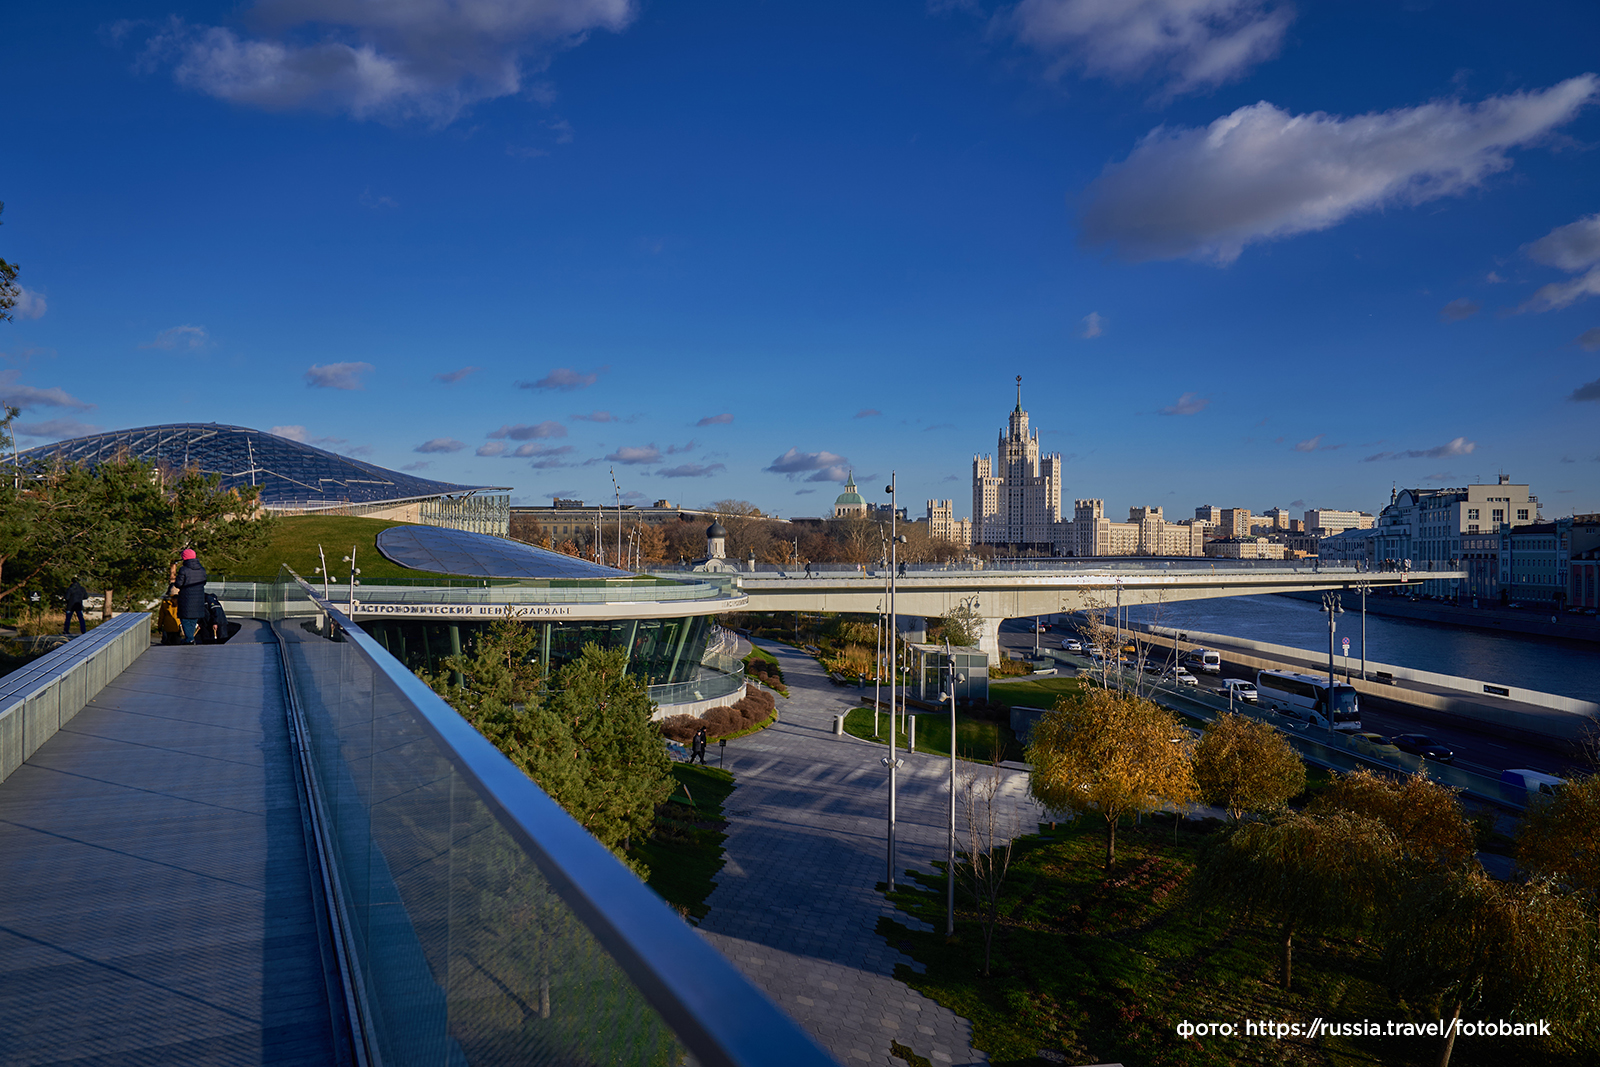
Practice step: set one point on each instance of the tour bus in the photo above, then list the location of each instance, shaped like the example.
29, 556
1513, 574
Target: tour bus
1306, 696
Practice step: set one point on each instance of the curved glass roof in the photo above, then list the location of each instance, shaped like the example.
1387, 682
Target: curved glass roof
433, 548
290, 474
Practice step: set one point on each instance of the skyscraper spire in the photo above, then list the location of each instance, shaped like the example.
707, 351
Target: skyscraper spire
1019, 392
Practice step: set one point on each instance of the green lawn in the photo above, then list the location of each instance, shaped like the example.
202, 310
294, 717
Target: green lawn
1093, 966
976, 739
685, 852
1033, 693
295, 543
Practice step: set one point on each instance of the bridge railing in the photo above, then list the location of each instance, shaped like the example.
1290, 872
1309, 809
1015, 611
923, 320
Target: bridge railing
1197, 565
480, 924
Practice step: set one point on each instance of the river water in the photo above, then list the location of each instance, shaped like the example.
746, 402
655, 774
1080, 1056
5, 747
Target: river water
1568, 668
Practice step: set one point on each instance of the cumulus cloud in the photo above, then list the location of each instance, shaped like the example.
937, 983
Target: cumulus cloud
595, 416
795, 463
179, 338
716, 420
1187, 44
424, 59
521, 432
691, 470
1587, 392
1571, 247
451, 377
55, 429
534, 448
1457, 310
493, 448
564, 379
17, 395
1093, 326
29, 304
867, 413
1590, 339
440, 444
337, 375
303, 435
1187, 404
1459, 446
634, 456
1261, 173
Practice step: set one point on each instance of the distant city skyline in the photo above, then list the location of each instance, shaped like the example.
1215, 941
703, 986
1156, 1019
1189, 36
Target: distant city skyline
736, 251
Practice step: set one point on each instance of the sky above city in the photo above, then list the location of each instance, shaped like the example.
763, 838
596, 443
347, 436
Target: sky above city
1242, 252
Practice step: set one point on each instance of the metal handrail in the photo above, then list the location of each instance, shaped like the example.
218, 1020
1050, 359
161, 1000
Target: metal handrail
712, 1008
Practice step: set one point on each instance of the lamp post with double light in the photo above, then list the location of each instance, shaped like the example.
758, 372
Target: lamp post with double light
1330, 604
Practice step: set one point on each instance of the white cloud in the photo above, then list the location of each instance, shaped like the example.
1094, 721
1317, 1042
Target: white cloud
1558, 295
1457, 310
795, 462
1459, 446
29, 304
493, 448
1587, 392
565, 379
632, 455
337, 375
1187, 404
55, 429
1187, 44
1571, 247
440, 444
1262, 173
292, 433
1590, 339
595, 416
420, 465
427, 59
451, 377
16, 395
175, 338
691, 470
716, 420
1093, 325
866, 413
547, 428
1310, 444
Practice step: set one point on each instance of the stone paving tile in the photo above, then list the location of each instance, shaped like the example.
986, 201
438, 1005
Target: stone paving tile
796, 906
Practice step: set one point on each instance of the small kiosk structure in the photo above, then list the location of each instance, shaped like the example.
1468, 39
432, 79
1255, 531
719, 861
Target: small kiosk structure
930, 665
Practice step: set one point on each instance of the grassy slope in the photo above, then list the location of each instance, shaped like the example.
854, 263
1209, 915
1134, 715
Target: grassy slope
685, 853
1037, 693
295, 543
1097, 967
976, 739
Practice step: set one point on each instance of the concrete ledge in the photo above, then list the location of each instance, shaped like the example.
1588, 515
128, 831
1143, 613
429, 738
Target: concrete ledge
41, 697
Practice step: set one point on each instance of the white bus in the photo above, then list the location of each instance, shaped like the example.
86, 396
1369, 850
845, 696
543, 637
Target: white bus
1306, 695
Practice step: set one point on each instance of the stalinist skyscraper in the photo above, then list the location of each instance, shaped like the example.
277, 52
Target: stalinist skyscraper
1017, 502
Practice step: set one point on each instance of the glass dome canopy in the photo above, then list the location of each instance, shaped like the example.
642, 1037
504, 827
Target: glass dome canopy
289, 473
431, 548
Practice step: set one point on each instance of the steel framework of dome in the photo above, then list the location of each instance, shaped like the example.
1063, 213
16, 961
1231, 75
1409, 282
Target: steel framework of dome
291, 475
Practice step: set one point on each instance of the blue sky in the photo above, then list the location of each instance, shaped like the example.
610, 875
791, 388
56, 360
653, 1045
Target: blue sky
1243, 252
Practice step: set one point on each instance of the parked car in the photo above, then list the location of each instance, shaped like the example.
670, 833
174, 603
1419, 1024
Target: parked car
1071, 644
1241, 689
1533, 781
1424, 746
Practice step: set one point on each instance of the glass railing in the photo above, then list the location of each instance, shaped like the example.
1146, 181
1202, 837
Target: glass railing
480, 923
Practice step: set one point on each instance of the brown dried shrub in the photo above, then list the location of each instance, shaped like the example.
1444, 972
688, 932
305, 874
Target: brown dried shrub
679, 728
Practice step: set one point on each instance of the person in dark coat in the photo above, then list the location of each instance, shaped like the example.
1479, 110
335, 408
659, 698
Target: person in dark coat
698, 747
76, 595
190, 579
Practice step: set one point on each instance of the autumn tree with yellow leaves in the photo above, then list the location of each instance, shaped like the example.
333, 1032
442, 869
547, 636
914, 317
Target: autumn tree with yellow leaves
1242, 765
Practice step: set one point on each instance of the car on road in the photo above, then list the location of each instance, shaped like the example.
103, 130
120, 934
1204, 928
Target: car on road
1241, 689
1424, 746
1071, 644
1152, 667
1207, 660
1183, 677
1536, 782
1374, 744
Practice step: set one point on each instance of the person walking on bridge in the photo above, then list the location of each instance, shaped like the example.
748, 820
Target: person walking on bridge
76, 595
190, 580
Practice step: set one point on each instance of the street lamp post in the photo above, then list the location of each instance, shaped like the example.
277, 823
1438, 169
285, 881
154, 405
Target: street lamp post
1330, 604
1363, 586
892, 760
950, 851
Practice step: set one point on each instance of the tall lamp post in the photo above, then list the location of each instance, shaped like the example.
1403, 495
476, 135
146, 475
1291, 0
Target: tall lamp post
1363, 586
892, 760
1330, 604
950, 851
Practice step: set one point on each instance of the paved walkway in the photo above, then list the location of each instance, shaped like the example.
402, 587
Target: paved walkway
156, 906
796, 906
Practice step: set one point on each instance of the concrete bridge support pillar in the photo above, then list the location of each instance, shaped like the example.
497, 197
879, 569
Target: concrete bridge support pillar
989, 638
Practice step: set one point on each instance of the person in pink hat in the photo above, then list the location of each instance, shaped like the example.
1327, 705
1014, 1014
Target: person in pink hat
190, 579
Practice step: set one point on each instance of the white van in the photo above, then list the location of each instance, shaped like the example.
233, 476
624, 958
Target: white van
1241, 689
1533, 781
1209, 661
